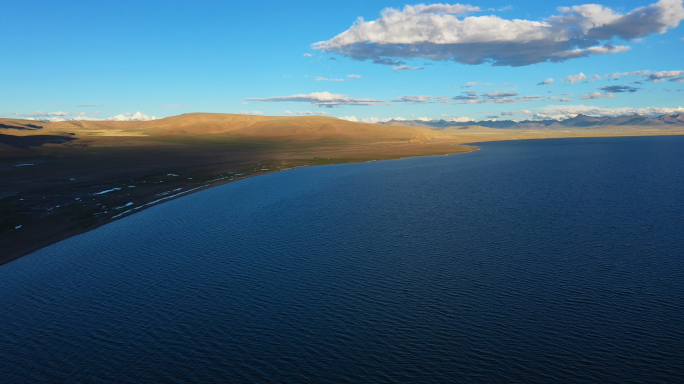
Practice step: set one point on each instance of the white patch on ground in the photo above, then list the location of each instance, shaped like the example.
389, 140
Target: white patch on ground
124, 206
18, 226
22, 165
107, 191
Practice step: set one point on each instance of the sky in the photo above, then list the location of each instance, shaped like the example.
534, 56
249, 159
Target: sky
360, 60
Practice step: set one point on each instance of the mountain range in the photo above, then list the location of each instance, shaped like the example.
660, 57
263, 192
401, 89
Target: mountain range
579, 121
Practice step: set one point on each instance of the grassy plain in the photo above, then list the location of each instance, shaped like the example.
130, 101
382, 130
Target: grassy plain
61, 179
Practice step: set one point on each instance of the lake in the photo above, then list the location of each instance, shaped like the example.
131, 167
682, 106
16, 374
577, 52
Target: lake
528, 261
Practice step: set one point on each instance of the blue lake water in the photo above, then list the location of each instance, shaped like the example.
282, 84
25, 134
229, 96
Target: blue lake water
534, 261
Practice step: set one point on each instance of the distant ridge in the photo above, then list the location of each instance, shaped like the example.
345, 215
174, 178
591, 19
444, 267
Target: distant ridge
278, 128
579, 121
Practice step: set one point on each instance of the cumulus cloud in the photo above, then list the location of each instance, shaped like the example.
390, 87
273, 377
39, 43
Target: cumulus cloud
572, 79
354, 76
288, 112
596, 95
546, 82
436, 32
473, 97
461, 119
311, 113
173, 106
42, 113
653, 77
318, 78
617, 75
406, 68
419, 99
618, 88
251, 113
321, 98
307, 55
388, 62
659, 77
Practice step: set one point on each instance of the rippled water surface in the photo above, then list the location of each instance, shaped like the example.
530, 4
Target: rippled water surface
537, 261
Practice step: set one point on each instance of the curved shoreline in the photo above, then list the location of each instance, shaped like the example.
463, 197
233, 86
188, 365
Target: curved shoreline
27, 248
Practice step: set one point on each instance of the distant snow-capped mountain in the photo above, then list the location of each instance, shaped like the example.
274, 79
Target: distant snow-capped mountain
138, 116
85, 118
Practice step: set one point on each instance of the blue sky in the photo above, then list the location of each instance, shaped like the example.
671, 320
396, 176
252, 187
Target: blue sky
212, 56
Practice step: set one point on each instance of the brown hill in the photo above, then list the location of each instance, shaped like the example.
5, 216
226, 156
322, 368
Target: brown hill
297, 128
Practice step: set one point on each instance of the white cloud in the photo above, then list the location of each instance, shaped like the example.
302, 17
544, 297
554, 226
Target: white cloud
307, 55
461, 119
659, 77
406, 68
513, 84
42, 113
370, 120
468, 85
546, 82
354, 76
564, 112
443, 115
596, 95
572, 79
251, 113
653, 77
433, 32
635, 73
318, 78
420, 99
425, 119
561, 99
85, 118
288, 112
322, 98
311, 113
127, 116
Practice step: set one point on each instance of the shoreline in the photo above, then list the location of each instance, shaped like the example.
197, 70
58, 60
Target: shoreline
150, 201
27, 248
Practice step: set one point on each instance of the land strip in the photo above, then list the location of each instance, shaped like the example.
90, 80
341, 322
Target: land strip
61, 179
